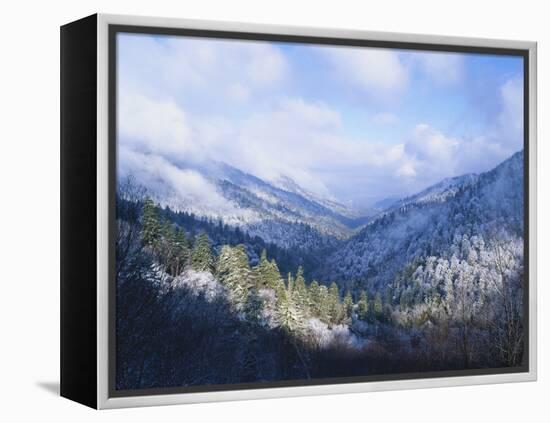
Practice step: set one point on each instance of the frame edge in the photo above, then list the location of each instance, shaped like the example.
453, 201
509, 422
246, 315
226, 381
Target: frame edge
106, 402
78, 305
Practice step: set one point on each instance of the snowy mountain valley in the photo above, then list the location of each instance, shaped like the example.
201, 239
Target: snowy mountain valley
292, 286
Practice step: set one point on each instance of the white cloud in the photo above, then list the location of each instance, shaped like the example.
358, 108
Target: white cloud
378, 72
301, 140
179, 188
442, 68
199, 70
294, 138
264, 63
431, 155
286, 140
314, 114
155, 126
385, 119
238, 92
185, 100
383, 74
406, 169
430, 144
510, 119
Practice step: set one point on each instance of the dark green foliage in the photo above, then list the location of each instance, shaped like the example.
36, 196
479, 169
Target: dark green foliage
288, 260
201, 258
300, 290
348, 305
234, 272
313, 297
363, 305
377, 306
262, 271
150, 228
182, 251
335, 311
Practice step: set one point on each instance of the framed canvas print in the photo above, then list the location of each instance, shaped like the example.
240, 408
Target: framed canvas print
254, 211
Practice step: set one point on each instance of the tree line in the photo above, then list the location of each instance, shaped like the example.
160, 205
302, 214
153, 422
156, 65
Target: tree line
295, 299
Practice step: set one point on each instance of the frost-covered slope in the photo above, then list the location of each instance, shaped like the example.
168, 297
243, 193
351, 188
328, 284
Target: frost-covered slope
427, 224
439, 192
275, 212
288, 184
285, 200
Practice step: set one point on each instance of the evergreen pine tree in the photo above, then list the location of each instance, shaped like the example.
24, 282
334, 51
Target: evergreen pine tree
377, 306
313, 298
254, 307
335, 308
324, 304
290, 284
183, 253
234, 272
262, 271
301, 295
362, 305
150, 225
289, 316
202, 259
273, 276
167, 247
348, 305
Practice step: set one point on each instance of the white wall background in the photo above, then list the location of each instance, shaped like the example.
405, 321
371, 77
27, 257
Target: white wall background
29, 235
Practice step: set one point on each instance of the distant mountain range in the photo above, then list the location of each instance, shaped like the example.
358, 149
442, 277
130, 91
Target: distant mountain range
364, 251
438, 192
266, 208
489, 204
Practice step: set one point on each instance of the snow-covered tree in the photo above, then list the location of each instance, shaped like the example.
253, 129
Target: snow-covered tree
347, 305
301, 293
290, 283
150, 225
289, 315
363, 305
262, 271
313, 297
182, 251
234, 272
201, 258
323, 304
335, 311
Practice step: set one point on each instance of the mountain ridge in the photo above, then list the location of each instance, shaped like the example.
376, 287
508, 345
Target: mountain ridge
255, 201
482, 205
291, 220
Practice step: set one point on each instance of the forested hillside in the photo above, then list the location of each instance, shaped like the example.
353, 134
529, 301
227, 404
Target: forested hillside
486, 206
434, 283
305, 246
184, 310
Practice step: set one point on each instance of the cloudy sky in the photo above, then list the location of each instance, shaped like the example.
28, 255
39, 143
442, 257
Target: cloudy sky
354, 124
